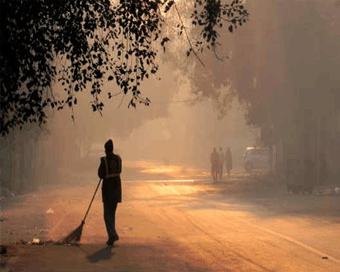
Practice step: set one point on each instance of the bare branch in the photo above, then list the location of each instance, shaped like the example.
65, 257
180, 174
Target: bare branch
186, 34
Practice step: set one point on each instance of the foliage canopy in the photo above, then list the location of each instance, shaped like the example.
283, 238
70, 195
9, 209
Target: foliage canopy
83, 44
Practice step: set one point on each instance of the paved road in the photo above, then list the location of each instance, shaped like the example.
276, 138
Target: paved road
241, 224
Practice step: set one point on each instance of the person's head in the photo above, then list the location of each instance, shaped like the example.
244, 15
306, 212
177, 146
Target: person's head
108, 147
221, 149
214, 149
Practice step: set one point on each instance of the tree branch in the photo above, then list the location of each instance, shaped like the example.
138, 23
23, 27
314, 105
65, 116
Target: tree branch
186, 34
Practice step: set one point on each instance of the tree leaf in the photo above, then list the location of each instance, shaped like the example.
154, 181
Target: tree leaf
230, 28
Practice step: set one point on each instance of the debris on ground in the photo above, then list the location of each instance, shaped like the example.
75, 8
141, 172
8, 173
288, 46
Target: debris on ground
38, 242
3, 250
49, 211
22, 242
35, 241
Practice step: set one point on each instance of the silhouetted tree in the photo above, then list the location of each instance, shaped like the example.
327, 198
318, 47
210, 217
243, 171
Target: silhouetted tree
247, 74
82, 44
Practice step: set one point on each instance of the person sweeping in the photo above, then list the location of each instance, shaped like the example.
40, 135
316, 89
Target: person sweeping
109, 171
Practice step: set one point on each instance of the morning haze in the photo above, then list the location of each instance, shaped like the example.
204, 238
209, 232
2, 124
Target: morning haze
232, 166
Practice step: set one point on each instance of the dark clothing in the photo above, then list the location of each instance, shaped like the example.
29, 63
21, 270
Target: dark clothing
110, 219
110, 173
228, 161
214, 165
220, 164
109, 170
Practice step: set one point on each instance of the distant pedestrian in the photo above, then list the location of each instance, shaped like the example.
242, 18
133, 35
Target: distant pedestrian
109, 170
221, 159
228, 161
214, 164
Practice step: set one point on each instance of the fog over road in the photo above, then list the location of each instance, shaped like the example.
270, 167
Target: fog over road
244, 223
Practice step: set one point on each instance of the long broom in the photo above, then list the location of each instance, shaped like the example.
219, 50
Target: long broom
75, 236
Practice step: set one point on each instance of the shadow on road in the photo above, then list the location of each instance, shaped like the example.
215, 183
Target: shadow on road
144, 255
102, 254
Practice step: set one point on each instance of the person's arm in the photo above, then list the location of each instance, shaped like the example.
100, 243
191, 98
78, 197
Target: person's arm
119, 168
101, 169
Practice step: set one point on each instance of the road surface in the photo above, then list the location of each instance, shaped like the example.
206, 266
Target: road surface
240, 224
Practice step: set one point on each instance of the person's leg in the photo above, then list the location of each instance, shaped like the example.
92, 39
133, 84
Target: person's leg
109, 218
115, 204
213, 172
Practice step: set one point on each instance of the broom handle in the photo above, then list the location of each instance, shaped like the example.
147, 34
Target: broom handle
91, 201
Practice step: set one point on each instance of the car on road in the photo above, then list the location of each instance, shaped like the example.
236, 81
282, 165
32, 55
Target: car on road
256, 158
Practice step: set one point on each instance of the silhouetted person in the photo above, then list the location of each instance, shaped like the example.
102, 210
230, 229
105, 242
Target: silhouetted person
221, 158
228, 160
109, 170
214, 164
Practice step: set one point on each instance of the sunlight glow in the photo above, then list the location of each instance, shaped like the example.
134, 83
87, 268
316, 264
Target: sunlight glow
162, 169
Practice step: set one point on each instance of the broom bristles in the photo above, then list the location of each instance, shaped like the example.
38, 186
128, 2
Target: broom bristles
74, 236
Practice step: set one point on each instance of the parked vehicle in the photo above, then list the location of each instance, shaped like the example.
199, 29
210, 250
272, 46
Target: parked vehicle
256, 158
